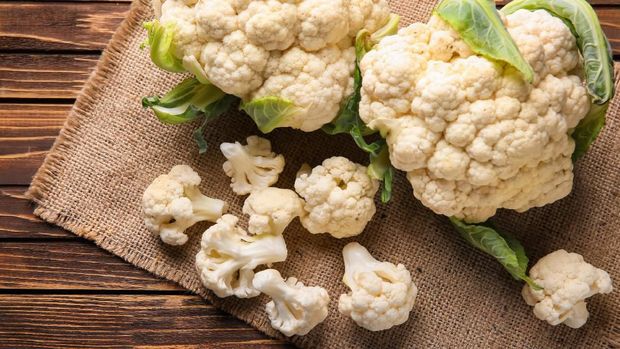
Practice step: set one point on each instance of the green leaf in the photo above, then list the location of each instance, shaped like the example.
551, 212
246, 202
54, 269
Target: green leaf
390, 28
161, 42
184, 103
211, 112
579, 16
480, 26
270, 112
381, 168
507, 250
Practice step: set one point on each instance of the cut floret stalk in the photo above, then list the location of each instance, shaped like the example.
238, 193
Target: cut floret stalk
579, 16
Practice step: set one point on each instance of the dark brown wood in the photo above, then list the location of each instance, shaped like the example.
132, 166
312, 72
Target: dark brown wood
82, 26
71, 265
121, 321
44, 76
18, 222
27, 132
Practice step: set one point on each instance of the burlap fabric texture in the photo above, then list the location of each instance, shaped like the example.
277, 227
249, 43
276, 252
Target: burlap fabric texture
110, 149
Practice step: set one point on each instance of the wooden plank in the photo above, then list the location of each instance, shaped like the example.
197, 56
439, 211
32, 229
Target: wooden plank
27, 132
59, 26
18, 222
71, 265
115, 321
44, 76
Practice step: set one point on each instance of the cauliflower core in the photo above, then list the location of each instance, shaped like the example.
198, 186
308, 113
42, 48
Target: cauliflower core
252, 166
301, 50
471, 133
295, 309
228, 257
338, 197
382, 294
271, 210
567, 280
173, 203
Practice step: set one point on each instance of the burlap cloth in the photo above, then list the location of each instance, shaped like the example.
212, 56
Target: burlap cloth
110, 149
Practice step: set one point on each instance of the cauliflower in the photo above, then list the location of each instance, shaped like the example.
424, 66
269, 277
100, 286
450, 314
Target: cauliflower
172, 203
228, 257
382, 294
472, 134
301, 52
252, 166
566, 281
338, 197
271, 210
295, 309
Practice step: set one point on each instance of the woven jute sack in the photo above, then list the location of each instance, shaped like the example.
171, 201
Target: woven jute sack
110, 149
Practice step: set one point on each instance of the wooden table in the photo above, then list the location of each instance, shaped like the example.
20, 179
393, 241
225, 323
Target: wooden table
57, 290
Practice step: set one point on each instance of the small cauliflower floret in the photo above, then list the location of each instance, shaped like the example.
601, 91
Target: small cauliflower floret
566, 281
228, 257
301, 52
382, 294
339, 197
252, 166
295, 309
472, 134
271, 210
172, 203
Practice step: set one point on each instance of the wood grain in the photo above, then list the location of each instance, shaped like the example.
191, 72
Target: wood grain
121, 321
71, 265
27, 132
18, 222
44, 76
83, 26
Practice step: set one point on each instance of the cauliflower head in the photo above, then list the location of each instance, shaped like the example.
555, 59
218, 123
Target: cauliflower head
382, 294
300, 51
271, 210
338, 197
566, 281
295, 309
252, 166
228, 257
172, 203
471, 133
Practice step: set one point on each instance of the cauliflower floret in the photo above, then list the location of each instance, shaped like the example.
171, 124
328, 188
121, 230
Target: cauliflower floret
567, 280
473, 136
339, 197
271, 210
172, 203
295, 309
382, 294
301, 51
252, 166
228, 257
317, 82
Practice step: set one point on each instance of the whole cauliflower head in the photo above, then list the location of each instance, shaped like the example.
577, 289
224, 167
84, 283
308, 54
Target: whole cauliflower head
271, 210
172, 203
474, 136
228, 257
295, 309
566, 281
338, 197
301, 51
252, 166
382, 294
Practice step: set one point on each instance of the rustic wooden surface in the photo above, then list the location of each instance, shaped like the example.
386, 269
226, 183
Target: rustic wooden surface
57, 290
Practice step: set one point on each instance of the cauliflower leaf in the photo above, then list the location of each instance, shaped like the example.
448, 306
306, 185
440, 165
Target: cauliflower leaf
269, 112
503, 247
161, 43
480, 26
579, 16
